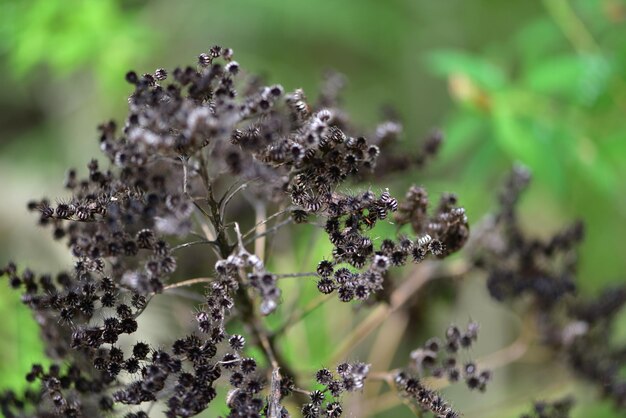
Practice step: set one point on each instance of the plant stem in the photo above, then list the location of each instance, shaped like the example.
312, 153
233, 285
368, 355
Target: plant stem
189, 282
244, 302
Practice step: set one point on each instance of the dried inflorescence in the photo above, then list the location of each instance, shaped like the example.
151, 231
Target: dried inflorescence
438, 358
557, 409
519, 265
427, 399
579, 328
326, 401
351, 217
126, 223
196, 140
586, 336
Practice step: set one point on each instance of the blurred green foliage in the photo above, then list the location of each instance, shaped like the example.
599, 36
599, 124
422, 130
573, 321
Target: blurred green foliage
552, 97
542, 83
21, 345
67, 35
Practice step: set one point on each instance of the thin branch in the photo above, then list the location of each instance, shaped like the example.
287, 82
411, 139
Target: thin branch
189, 282
150, 407
204, 174
260, 211
199, 235
384, 402
239, 240
229, 196
210, 236
267, 347
264, 221
302, 391
270, 230
186, 294
184, 160
503, 357
274, 408
365, 327
294, 307
288, 275
385, 347
201, 209
189, 244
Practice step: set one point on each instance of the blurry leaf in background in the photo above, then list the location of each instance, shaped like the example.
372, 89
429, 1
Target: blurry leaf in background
66, 35
25, 346
484, 73
60, 38
555, 75
552, 98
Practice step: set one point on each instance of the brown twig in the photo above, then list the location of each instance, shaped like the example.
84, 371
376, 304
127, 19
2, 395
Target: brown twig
189, 282
260, 211
385, 347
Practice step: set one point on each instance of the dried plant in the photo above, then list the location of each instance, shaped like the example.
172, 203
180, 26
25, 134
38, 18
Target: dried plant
189, 149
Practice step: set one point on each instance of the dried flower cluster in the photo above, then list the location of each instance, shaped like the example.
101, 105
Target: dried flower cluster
519, 265
578, 328
349, 378
438, 358
557, 409
180, 143
193, 143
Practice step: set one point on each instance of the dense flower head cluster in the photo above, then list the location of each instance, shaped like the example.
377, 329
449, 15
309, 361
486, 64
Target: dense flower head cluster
195, 141
556, 409
348, 377
518, 264
439, 358
351, 217
579, 328
586, 336
187, 133
263, 281
427, 399
448, 225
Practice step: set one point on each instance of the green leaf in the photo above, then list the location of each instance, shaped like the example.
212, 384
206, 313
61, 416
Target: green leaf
597, 72
462, 130
530, 141
26, 346
556, 75
479, 70
597, 170
537, 40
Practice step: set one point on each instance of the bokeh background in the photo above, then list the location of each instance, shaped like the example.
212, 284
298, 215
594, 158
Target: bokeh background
539, 82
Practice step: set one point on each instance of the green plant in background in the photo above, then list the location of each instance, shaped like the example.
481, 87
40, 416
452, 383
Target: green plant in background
552, 97
68, 35
26, 346
61, 38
